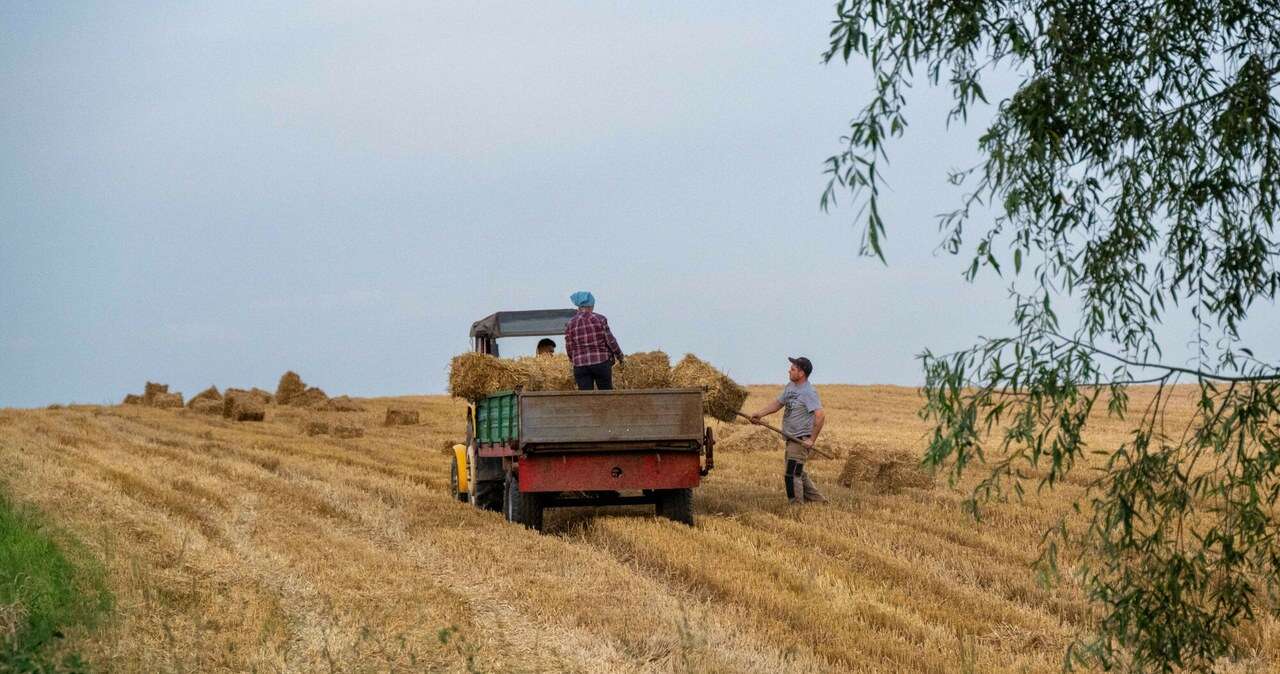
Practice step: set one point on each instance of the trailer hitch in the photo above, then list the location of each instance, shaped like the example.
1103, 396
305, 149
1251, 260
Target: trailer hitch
709, 442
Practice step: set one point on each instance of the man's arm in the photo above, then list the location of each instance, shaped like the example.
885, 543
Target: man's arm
819, 418
610, 341
765, 411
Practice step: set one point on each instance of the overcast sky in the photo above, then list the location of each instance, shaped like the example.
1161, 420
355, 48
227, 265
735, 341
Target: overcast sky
213, 193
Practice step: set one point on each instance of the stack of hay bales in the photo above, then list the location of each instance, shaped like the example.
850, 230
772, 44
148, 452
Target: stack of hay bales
887, 471
208, 401
312, 397
722, 397
400, 417
648, 369
316, 427
475, 375
152, 390
240, 405
343, 404
290, 385
167, 400
155, 395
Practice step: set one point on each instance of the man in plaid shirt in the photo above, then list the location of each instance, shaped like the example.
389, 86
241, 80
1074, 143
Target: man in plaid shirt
590, 345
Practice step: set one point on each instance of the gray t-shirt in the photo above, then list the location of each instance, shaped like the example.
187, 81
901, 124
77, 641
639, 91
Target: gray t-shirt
799, 402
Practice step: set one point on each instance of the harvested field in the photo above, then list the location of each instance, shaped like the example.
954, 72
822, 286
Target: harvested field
241, 547
400, 417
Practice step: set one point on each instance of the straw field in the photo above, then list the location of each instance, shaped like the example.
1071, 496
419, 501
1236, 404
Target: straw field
259, 547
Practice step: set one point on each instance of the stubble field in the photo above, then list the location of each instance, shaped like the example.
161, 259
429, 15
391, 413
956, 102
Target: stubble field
253, 547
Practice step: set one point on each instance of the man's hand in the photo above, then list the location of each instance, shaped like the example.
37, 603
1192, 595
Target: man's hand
808, 442
755, 419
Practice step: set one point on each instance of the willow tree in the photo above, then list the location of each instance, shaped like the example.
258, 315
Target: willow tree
1134, 170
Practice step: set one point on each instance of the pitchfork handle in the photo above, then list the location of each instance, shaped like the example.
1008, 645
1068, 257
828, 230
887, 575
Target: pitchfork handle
783, 433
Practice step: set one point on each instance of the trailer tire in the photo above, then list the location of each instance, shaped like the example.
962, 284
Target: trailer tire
487, 495
458, 493
523, 508
676, 504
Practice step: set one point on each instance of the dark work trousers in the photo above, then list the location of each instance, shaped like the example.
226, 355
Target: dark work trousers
800, 487
599, 376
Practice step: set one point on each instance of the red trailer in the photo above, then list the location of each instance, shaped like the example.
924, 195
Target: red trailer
528, 451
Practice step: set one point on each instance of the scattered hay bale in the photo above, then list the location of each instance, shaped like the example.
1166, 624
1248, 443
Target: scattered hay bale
749, 439
205, 406
240, 405
290, 385
348, 431
475, 375
133, 399
312, 397
210, 393
722, 397
884, 471
166, 400
400, 417
317, 427
263, 397
342, 404
647, 369
546, 373
152, 390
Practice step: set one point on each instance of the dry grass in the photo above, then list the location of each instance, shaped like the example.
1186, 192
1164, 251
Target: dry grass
241, 547
722, 398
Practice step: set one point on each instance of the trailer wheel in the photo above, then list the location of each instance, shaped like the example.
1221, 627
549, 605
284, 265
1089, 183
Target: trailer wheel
458, 493
487, 495
676, 504
522, 508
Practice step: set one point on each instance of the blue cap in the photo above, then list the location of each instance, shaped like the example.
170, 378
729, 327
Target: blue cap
583, 298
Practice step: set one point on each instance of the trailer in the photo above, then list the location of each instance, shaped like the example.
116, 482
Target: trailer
527, 451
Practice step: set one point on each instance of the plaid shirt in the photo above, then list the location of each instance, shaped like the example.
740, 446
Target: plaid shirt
588, 340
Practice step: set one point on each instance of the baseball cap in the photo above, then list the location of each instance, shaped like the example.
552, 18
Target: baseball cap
805, 365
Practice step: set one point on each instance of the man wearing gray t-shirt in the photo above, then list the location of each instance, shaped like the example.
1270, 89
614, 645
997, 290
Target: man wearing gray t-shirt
802, 420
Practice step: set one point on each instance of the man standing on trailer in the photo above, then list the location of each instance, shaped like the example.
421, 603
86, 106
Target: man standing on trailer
590, 345
803, 420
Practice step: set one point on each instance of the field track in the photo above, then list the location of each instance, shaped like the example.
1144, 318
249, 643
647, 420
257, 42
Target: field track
253, 547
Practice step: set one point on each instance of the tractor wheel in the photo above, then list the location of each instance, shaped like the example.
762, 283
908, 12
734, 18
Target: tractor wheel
523, 508
676, 504
459, 494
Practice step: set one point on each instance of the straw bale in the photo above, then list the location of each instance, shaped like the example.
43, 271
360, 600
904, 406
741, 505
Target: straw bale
133, 399
647, 369
343, 404
400, 417
311, 397
722, 397
167, 400
317, 427
263, 397
749, 439
240, 405
290, 385
475, 375
345, 430
205, 406
210, 393
152, 390
884, 471
546, 373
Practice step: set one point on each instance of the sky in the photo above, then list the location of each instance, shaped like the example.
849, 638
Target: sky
213, 193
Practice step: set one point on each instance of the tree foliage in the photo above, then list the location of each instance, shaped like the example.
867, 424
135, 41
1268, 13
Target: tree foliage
1134, 169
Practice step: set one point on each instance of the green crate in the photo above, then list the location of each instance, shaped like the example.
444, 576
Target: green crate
498, 418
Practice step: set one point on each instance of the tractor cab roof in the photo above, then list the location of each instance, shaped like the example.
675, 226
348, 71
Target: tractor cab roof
533, 323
